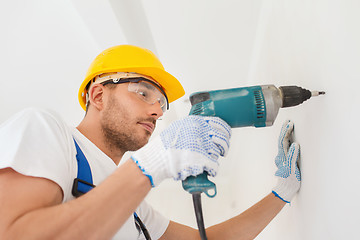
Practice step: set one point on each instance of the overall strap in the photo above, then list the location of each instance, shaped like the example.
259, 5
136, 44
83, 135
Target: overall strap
83, 183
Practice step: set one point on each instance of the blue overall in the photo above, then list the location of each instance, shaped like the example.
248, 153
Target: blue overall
84, 183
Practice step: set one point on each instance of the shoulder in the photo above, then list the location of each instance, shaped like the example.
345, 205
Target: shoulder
33, 118
41, 138
35, 129
35, 114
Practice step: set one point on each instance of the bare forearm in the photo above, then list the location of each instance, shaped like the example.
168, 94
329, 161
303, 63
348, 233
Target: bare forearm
250, 223
96, 215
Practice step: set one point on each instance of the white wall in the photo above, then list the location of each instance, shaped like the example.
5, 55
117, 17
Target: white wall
46, 48
313, 44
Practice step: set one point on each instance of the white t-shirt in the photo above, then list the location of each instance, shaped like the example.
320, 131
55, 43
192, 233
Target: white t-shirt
37, 143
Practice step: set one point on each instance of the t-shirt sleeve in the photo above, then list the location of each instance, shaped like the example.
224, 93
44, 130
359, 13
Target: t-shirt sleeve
35, 143
155, 223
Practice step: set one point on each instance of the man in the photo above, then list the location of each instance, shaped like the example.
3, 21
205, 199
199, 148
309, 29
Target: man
125, 91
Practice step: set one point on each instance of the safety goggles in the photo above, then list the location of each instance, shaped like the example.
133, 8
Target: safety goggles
145, 89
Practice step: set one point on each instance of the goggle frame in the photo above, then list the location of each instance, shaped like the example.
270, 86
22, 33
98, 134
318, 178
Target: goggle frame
137, 80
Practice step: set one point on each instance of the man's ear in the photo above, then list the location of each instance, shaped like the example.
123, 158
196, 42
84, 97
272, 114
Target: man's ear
96, 96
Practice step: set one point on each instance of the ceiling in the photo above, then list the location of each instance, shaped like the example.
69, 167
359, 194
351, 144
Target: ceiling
206, 44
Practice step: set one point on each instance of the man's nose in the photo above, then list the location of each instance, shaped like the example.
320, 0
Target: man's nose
156, 110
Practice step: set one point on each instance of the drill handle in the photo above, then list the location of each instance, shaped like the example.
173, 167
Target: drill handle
199, 184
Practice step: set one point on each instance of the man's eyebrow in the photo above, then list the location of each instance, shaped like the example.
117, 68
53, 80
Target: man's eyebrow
149, 86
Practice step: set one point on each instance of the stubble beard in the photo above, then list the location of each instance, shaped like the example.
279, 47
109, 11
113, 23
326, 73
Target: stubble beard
118, 130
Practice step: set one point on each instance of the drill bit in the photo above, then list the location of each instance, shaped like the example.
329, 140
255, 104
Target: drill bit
317, 93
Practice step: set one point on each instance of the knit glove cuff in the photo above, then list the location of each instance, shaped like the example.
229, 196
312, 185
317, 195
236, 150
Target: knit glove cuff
156, 169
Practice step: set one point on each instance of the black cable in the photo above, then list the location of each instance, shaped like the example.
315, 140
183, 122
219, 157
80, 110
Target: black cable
198, 214
142, 227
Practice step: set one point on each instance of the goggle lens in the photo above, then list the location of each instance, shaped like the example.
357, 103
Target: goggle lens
148, 93
145, 89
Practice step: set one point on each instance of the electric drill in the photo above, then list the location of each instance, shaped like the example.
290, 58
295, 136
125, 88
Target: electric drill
255, 106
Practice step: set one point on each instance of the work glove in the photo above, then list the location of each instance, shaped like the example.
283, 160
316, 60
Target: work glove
288, 173
188, 147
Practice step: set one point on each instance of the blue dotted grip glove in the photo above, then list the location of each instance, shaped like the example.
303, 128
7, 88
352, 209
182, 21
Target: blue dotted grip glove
288, 172
188, 147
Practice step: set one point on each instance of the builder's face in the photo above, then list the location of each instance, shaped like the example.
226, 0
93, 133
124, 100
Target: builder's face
127, 121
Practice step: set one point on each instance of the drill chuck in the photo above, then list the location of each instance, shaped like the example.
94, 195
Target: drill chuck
293, 95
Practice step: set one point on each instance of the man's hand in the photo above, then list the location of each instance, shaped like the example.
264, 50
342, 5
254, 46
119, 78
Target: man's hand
189, 146
288, 172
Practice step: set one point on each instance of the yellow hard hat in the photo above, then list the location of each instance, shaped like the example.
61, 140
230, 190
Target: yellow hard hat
128, 58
